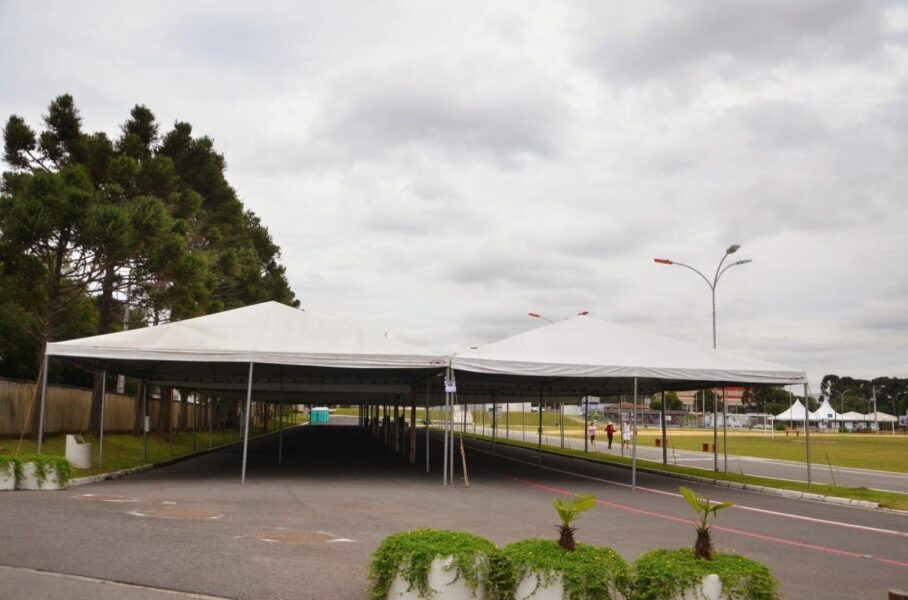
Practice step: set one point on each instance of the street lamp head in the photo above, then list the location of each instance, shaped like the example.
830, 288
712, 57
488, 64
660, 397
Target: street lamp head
732, 249
583, 313
663, 261
535, 315
744, 262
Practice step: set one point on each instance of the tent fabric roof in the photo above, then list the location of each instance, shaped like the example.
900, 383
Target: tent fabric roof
825, 413
794, 413
586, 347
218, 347
854, 416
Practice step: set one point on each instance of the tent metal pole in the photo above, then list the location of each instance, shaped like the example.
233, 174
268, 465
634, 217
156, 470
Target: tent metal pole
145, 421
446, 422
634, 449
725, 427
561, 421
43, 401
427, 422
210, 420
664, 448
539, 449
586, 424
412, 426
715, 432
494, 420
246, 431
280, 433
195, 417
101, 442
807, 432
507, 420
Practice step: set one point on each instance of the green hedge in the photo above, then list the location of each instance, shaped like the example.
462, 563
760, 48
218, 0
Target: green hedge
43, 463
668, 573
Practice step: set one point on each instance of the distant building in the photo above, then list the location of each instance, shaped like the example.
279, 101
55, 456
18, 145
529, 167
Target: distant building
693, 400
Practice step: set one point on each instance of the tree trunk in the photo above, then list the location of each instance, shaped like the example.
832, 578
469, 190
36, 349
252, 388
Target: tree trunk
104, 320
703, 549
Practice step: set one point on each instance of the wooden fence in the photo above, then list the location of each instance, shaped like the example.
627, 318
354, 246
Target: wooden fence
67, 409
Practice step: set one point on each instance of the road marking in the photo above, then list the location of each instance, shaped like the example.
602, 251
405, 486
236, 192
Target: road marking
71, 577
738, 506
740, 532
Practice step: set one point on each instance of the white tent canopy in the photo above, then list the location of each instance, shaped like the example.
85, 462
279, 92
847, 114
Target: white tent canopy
825, 413
293, 347
881, 417
854, 416
603, 353
795, 413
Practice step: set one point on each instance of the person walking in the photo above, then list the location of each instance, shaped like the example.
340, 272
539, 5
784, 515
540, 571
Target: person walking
591, 430
610, 433
625, 434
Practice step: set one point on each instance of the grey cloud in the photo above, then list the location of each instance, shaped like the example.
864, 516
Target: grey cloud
782, 124
480, 110
727, 35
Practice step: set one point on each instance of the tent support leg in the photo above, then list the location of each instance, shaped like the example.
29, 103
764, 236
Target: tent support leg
145, 421
103, 397
539, 448
43, 402
427, 423
446, 425
246, 429
807, 432
715, 432
412, 428
494, 421
634, 449
725, 428
664, 449
280, 433
586, 423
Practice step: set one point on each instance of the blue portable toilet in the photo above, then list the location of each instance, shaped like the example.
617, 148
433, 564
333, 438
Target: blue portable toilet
318, 415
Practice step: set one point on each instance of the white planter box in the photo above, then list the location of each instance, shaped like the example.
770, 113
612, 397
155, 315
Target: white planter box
78, 455
8, 477
30, 481
553, 591
710, 588
440, 580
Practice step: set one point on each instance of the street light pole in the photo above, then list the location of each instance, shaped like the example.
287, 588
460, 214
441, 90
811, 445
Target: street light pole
712, 288
842, 404
715, 281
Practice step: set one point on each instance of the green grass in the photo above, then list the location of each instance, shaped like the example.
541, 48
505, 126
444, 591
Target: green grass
124, 451
865, 451
885, 499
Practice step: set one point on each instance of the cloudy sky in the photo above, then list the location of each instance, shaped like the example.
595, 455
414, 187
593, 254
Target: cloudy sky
440, 170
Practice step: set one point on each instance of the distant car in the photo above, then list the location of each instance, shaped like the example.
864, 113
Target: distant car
536, 409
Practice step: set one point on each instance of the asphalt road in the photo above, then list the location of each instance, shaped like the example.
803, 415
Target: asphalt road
306, 528
760, 467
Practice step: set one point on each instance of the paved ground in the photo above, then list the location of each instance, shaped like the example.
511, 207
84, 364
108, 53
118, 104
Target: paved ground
761, 467
305, 529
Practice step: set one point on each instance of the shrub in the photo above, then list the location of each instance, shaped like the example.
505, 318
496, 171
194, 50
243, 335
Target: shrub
410, 555
587, 573
43, 463
669, 573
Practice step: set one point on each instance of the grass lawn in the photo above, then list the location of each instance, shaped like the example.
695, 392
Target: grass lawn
885, 499
880, 451
124, 451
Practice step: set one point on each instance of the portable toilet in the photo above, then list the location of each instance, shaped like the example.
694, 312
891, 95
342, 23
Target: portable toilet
318, 415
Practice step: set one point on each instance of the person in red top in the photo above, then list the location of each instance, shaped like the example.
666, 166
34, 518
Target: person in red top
610, 433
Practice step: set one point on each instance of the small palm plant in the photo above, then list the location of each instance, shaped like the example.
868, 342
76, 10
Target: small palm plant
704, 546
569, 511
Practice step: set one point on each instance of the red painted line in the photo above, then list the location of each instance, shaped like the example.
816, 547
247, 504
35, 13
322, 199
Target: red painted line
740, 532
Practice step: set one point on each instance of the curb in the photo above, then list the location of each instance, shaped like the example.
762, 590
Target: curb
77, 481
795, 495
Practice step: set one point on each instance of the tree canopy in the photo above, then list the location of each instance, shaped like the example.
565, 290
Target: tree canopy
90, 223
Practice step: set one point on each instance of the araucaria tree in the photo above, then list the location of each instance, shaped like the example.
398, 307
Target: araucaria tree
89, 224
